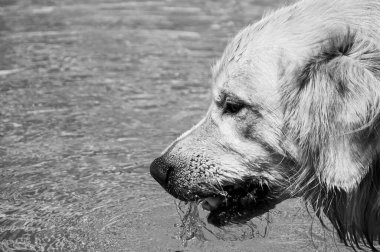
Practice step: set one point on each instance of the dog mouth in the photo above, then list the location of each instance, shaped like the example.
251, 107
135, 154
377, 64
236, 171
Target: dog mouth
238, 203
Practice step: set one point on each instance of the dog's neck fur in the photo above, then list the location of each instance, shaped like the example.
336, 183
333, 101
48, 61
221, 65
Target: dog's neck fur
355, 215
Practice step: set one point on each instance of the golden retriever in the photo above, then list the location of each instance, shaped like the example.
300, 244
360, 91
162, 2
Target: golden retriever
295, 112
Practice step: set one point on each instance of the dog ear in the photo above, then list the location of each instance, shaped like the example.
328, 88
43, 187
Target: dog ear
333, 112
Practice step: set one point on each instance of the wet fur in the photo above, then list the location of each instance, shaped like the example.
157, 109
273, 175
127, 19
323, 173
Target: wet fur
309, 75
336, 129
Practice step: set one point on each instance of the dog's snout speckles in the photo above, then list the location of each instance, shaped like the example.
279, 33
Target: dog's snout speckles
202, 163
199, 169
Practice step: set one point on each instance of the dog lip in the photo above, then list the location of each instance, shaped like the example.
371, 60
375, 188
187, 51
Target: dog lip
238, 203
211, 203
232, 194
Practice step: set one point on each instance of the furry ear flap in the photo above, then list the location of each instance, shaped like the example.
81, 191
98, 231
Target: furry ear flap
333, 111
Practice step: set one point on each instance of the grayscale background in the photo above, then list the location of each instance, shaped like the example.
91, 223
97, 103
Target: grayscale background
91, 91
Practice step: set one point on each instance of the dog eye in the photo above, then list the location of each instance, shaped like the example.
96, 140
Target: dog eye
232, 107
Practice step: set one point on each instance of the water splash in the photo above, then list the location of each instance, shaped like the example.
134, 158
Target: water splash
194, 226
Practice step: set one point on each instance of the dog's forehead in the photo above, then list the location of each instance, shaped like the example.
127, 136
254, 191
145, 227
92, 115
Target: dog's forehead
234, 79
253, 80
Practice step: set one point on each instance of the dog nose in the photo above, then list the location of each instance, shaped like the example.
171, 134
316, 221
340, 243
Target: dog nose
159, 171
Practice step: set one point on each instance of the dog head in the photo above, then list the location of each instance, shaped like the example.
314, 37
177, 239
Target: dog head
295, 111
236, 159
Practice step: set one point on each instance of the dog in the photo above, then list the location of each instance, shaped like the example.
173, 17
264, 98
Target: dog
295, 112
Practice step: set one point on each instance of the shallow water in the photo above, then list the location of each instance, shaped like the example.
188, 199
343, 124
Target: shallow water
91, 91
